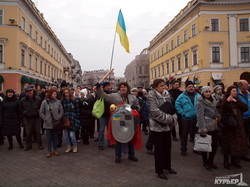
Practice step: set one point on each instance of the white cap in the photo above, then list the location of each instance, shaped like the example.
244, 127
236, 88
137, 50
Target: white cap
84, 91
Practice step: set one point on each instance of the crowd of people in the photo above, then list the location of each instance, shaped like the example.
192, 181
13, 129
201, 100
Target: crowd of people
66, 113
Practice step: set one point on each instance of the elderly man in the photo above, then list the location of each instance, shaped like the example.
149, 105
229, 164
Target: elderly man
185, 106
123, 96
244, 95
30, 106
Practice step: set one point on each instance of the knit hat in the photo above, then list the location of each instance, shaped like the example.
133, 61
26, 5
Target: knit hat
10, 91
204, 89
105, 84
217, 87
189, 83
134, 90
84, 91
144, 92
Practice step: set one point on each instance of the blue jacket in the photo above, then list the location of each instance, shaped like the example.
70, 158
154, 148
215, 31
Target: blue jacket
185, 107
245, 99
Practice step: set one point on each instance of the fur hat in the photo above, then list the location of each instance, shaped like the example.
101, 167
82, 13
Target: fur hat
204, 89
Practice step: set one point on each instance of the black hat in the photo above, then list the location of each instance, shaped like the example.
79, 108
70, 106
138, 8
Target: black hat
105, 84
64, 84
10, 91
189, 83
139, 86
28, 89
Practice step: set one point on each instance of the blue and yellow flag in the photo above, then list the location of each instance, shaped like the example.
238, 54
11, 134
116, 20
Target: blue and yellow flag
121, 30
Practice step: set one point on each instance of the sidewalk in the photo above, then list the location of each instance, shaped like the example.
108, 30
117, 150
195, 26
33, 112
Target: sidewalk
92, 167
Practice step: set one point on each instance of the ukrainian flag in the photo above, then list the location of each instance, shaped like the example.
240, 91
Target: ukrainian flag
121, 30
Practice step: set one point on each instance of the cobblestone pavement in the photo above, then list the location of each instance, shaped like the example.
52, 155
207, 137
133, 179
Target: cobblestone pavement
93, 167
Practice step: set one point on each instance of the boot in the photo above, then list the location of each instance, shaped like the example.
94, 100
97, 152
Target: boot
49, 154
226, 162
56, 153
74, 149
69, 149
21, 146
235, 162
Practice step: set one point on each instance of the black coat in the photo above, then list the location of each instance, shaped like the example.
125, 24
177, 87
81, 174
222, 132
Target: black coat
10, 117
85, 108
30, 107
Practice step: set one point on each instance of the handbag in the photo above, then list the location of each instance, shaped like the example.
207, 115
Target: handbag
98, 108
203, 143
210, 123
66, 121
228, 122
167, 108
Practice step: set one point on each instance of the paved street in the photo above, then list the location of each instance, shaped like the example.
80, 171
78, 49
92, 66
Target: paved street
92, 167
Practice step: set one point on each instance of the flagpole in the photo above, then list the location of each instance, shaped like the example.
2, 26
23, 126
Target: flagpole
112, 54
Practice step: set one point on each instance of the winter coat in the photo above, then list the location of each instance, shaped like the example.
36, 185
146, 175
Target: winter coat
30, 106
10, 117
51, 113
117, 99
156, 116
185, 107
246, 100
206, 114
85, 108
145, 113
71, 110
233, 141
175, 93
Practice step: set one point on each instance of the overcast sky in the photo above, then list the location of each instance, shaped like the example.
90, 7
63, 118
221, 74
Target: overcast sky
86, 28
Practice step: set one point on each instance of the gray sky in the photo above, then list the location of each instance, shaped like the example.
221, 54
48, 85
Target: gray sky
86, 27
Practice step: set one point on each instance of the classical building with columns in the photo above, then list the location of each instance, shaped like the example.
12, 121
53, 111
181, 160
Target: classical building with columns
207, 42
30, 52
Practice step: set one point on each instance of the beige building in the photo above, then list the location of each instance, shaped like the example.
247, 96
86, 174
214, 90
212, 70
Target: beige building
90, 78
207, 42
30, 51
137, 71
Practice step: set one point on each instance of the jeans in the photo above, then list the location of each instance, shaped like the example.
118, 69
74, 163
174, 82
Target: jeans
70, 138
51, 136
103, 123
188, 126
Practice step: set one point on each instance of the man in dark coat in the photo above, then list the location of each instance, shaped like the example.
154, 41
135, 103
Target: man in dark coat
30, 106
175, 92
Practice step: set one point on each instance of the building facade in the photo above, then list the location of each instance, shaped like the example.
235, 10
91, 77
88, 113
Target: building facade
90, 78
30, 52
137, 71
208, 42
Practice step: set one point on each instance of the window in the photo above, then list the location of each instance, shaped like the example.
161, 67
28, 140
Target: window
186, 60
41, 67
172, 65
193, 29
178, 40
36, 64
52, 52
140, 70
152, 73
185, 36
49, 48
159, 71
1, 53
195, 62
244, 54
162, 67
155, 72
41, 41
30, 33
49, 71
1, 17
167, 48
244, 24
23, 57
172, 44
23, 23
30, 61
36, 38
179, 63
167, 67
162, 51
216, 54
215, 24
159, 53
45, 47
154, 56
45, 69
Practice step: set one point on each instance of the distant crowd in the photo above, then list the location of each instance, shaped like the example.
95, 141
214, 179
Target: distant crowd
65, 115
